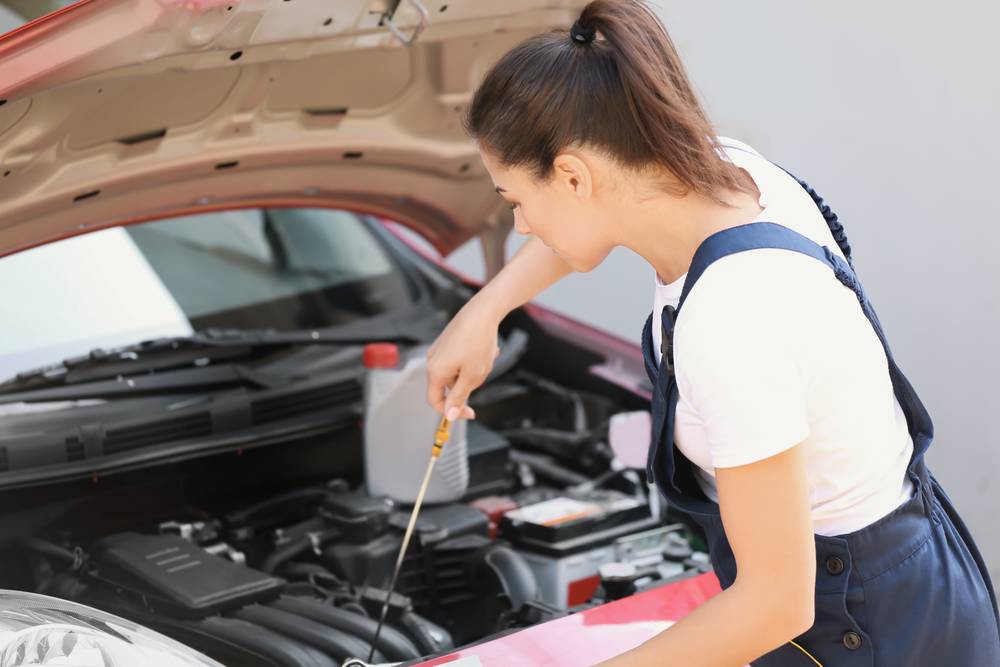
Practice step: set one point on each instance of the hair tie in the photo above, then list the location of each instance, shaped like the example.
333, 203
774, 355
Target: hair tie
581, 34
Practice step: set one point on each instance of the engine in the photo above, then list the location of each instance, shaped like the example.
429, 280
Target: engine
298, 577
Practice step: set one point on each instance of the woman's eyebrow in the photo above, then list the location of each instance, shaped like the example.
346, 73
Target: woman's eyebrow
499, 189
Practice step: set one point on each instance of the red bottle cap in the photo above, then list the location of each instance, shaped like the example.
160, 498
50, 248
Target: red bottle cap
381, 355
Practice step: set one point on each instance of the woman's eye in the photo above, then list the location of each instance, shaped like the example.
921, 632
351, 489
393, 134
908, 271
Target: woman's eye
513, 206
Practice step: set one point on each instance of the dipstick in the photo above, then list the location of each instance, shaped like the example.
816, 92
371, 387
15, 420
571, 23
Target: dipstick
440, 437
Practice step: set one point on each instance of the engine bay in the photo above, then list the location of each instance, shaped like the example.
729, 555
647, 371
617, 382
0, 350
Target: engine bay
265, 557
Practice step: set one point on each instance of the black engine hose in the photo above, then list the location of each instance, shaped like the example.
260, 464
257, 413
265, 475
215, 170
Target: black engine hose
318, 575
75, 559
603, 478
515, 575
284, 554
510, 353
242, 642
307, 570
335, 643
393, 643
356, 607
546, 467
309, 541
295, 497
422, 631
540, 435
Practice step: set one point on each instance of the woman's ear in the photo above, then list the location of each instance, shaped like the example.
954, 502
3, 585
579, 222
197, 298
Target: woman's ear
573, 175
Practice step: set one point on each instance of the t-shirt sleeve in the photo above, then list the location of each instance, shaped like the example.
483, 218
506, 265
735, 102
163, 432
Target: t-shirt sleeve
739, 366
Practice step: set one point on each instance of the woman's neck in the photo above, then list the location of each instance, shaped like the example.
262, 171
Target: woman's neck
666, 230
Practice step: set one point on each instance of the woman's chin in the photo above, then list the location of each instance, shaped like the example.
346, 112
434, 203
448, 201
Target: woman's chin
574, 262
580, 266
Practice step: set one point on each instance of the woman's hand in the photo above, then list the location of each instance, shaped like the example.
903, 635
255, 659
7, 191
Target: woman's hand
461, 357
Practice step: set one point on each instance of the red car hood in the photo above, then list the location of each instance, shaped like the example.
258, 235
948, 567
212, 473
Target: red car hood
590, 636
118, 111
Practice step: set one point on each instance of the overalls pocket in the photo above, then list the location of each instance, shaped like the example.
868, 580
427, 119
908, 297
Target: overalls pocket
835, 639
839, 635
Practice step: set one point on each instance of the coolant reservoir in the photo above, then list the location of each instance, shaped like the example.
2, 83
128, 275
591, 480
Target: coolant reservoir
399, 429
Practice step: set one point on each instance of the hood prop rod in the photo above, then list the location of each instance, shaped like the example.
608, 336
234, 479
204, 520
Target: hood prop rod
394, 29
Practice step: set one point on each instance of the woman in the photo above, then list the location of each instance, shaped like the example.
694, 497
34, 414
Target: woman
781, 423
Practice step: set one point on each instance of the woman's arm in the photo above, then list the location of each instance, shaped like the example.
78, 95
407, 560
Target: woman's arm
462, 355
766, 514
532, 268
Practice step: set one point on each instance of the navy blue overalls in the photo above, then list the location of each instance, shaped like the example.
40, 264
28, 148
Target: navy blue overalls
908, 590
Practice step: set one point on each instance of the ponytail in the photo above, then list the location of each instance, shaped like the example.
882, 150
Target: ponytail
613, 82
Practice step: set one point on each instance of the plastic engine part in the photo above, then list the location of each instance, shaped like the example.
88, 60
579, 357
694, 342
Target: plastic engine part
360, 517
171, 574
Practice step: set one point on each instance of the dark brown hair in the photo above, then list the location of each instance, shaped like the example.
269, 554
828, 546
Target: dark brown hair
626, 95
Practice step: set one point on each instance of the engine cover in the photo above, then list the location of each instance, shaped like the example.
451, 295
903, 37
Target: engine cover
173, 575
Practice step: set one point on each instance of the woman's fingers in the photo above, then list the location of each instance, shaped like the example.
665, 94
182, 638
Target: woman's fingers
458, 361
444, 391
436, 383
455, 403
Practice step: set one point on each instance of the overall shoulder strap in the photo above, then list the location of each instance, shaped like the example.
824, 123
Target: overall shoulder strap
771, 235
832, 221
752, 236
739, 239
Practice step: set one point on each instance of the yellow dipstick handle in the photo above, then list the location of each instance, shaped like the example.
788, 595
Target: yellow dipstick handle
441, 436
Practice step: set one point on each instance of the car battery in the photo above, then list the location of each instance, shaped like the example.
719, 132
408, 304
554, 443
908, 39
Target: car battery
565, 540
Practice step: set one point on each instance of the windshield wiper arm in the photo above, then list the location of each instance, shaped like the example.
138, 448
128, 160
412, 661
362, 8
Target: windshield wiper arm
215, 345
172, 381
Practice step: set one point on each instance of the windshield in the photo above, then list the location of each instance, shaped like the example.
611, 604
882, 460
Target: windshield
282, 269
17, 12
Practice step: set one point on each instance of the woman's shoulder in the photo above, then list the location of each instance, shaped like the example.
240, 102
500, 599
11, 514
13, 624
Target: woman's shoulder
754, 287
732, 143
786, 202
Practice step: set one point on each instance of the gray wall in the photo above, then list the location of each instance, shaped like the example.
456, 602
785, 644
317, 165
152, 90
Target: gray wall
891, 110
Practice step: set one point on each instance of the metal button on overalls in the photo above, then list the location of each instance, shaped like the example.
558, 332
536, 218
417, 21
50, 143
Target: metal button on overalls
909, 589
852, 640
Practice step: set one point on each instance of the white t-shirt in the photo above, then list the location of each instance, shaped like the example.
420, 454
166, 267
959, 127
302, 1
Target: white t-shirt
770, 351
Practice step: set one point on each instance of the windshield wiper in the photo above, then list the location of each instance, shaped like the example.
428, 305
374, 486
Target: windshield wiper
214, 377
217, 346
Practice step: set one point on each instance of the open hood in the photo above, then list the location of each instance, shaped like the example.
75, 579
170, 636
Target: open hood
120, 111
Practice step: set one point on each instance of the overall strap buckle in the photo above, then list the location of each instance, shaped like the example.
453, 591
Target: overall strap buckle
667, 320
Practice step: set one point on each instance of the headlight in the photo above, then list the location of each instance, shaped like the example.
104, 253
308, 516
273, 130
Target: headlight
42, 630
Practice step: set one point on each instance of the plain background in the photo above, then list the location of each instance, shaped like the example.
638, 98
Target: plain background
891, 110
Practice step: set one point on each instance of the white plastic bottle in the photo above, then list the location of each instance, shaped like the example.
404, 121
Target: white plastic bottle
399, 428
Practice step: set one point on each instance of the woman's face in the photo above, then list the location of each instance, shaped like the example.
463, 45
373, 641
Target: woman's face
562, 213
